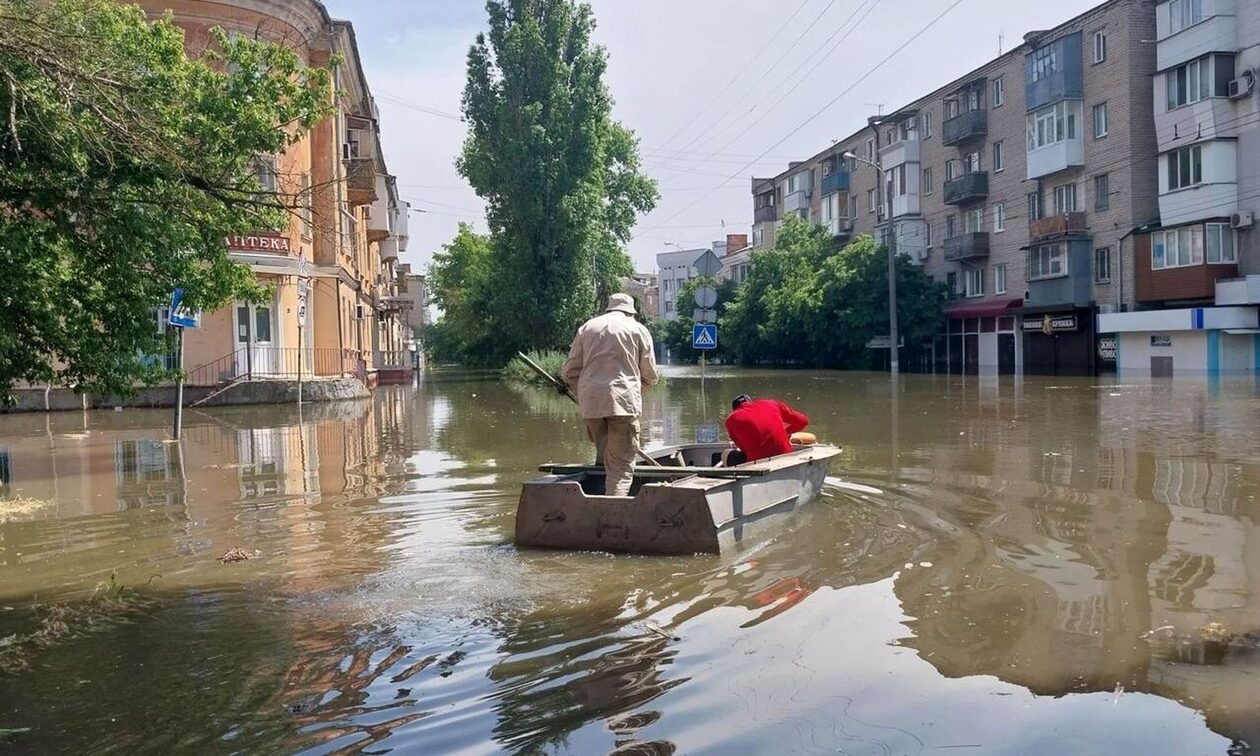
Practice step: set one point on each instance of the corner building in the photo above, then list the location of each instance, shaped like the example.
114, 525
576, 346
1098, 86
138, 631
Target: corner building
340, 248
1018, 185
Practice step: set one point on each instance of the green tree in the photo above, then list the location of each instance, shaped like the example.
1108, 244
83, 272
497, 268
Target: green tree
676, 334
806, 302
460, 285
123, 167
560, 178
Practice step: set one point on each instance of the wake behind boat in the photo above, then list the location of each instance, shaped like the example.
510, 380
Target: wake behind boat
681, 505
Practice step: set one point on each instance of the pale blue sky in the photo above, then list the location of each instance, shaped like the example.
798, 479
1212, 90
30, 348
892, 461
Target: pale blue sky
667, 61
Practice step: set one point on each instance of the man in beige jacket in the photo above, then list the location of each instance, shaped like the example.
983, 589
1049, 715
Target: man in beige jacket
610, 365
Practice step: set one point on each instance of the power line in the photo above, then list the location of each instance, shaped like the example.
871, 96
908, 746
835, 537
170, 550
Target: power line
833, 101
737, 76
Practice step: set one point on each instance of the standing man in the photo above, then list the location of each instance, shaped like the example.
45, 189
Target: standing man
610, 365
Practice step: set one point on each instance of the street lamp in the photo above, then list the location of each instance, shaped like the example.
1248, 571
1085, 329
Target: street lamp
893, 361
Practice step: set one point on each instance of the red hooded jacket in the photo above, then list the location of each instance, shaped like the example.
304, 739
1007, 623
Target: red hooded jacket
760, 428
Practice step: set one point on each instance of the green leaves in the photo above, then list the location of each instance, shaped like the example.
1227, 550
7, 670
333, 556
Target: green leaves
560, 178
805, 302
123, 169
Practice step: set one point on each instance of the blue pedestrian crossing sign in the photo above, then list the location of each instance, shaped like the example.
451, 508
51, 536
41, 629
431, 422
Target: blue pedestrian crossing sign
180, 316
704, 336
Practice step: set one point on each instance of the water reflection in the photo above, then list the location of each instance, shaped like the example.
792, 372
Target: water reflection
1042, 567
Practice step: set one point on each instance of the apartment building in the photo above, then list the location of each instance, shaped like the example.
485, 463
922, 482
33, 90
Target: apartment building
1018, 185
336, 262
1196, 269
674, 269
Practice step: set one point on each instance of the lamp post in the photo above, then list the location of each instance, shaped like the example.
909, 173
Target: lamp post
893, 361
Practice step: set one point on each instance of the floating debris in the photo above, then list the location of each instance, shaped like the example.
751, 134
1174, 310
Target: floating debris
239, 555
19, 507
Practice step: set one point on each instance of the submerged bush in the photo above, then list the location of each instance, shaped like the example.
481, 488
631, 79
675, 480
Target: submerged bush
552, 361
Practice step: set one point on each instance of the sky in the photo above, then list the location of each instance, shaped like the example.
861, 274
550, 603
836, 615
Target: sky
716, 90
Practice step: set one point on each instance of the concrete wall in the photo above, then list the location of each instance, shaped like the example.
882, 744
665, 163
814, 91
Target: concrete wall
251, 392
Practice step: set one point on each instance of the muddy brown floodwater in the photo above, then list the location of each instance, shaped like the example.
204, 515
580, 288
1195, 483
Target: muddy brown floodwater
1052, 566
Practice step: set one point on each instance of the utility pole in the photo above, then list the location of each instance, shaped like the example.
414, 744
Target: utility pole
894, 361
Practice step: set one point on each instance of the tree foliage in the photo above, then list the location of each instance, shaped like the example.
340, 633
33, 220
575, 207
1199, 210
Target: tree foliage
675, 334
124, 165
560, 177
460, 285
807, 303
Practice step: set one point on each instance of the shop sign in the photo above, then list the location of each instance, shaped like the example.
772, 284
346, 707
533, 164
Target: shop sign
1051, 324
259, 243
1107, 348
1161, 339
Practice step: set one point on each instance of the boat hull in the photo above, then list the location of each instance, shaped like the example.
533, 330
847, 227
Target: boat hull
695, 510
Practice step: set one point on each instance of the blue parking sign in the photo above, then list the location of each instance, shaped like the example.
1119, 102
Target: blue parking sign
704, 336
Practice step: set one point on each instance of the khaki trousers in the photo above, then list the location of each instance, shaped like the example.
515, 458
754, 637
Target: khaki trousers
616, 445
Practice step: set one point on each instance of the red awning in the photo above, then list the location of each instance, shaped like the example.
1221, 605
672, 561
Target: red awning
985, 310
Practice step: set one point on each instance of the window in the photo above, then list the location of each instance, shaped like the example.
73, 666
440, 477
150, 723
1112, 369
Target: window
951, 283
975, 282
1102, 265
1065, 199
870, 200
999, 218
1220, 244
972, 99
900, 182
1100, 47
1184, 13
999, 279
758, 236
952, 108
1185, 167
951, 227
1045, 63
971, 163
669, 307
999, 157
952, 169
265, 171
973, 221
870, 149
999, 92
927, 234
1200, 79
1049, 261
1177, 248
927, 180
927, 125
1100, 120
800, 182
1034, 206
1053, 124
1102, 192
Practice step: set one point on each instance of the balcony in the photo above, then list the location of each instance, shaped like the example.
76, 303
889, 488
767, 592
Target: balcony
1056, 226
767, 214
838, 181
1066, 82
796, 202
969, 125
839, 226
897, 153
967, 188
360, 180
389, 249
967, 247
380, 216
1052, 158
1238, 291
1218, 31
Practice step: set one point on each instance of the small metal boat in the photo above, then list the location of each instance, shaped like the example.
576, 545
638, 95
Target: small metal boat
684, 506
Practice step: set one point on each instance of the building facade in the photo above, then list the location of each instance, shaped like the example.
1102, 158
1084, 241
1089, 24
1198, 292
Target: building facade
335, 308
1017, 185
1196, 269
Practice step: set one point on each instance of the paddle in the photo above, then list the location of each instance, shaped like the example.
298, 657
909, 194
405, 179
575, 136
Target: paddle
563, 388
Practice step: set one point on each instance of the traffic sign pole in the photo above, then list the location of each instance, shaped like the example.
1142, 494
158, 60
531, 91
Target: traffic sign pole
179, 386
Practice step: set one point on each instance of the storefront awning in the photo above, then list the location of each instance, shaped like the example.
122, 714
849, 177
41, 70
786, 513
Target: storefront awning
986, 310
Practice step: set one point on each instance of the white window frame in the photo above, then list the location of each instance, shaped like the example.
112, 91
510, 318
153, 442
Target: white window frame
973, 221
999, 92
1100, 47
999, 156
1066, 199
1042, 262
973, 283
999, 217
871, 200
1100, 109
1181, 247
927, 124
999, 279
1192, 158
1182, 14
1053, 124
1219, 232
927, 180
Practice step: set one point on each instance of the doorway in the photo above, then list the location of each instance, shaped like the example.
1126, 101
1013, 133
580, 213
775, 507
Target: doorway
256, 352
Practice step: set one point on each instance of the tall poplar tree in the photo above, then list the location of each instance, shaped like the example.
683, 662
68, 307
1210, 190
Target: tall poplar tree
561, 178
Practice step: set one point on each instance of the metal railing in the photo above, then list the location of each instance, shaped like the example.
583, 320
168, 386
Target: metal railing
1058, 225
265, 362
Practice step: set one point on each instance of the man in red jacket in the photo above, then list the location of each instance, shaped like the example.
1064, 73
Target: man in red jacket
760, 428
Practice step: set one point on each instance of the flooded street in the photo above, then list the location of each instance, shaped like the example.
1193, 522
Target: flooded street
1043, 567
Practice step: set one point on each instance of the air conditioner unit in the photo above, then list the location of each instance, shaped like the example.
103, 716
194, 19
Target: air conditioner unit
1242, 219
1243, 86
